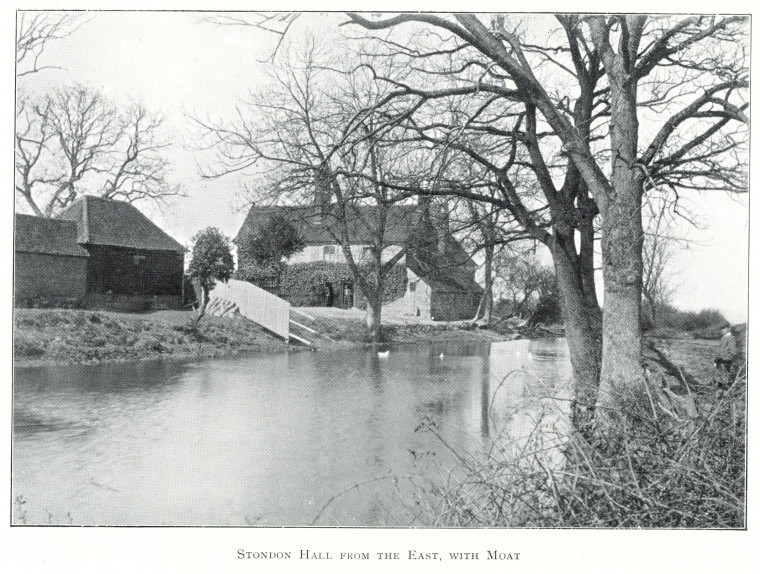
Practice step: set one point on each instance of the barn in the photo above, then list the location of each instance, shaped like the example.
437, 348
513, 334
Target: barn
133, 264
50, 266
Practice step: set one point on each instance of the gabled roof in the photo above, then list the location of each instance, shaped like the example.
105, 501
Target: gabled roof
318, 226
443, 274
48, 236
439, 259
116, 223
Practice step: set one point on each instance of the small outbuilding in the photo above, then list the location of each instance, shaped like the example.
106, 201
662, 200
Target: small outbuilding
50, 265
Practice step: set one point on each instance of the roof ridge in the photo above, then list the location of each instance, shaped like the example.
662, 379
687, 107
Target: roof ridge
151, 222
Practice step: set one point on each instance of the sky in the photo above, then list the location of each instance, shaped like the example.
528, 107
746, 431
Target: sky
179, 65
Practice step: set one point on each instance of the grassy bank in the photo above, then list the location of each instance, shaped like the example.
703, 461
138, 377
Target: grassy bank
350, 330
77, 336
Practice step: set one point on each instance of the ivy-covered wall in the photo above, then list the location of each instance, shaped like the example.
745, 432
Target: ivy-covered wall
303, 284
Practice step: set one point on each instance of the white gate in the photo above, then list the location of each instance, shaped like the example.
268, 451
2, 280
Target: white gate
256, 304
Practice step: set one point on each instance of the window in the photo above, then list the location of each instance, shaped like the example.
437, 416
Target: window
412, 286
329, 253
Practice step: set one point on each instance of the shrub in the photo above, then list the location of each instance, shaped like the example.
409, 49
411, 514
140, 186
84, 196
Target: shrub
302, 284
48, 302
269, 242
25, 346
666, 472
548, 309
264, 276
211, 259
706, 320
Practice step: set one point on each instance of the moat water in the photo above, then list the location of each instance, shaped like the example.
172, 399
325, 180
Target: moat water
329, 438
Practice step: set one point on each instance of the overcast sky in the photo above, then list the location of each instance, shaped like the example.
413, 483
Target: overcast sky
176, 64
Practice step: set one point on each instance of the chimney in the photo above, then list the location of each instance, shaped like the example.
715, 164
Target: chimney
322, 191
443, 225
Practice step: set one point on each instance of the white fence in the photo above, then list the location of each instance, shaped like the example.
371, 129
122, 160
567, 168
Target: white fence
258, 305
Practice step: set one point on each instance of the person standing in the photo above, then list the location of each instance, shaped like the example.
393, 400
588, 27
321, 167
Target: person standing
348, 295
727, 353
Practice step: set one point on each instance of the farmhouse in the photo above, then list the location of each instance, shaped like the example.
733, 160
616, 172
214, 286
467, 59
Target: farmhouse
437, 280
102, 253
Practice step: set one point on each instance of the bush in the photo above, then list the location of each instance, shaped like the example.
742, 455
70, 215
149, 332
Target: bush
548, 310
666, 472
24, 346
211, 259
708, 321
48, 302
269, 242
264, 276
302, 284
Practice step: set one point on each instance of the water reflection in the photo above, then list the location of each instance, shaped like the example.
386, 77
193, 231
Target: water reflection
266, 440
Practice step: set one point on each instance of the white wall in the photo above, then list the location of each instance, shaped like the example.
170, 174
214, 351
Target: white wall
314, 253
412, 301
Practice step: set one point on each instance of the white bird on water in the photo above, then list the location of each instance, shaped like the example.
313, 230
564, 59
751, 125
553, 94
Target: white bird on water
440, 356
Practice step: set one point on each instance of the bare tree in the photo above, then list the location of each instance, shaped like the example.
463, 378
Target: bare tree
35, 31
138, 167
567, 97
658, 250
74, 140
313, 139
524, 282
33, 130
576, 102
486, 230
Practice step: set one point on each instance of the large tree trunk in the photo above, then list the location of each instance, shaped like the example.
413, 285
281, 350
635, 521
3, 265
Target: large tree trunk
486, 307
375, 284
374, 313
583, 329
200, 310
622, 375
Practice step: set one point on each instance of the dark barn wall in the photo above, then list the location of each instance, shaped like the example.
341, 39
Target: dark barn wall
453, 305
39, 275
125, 271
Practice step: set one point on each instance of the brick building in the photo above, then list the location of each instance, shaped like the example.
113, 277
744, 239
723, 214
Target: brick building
50, 266
125, 261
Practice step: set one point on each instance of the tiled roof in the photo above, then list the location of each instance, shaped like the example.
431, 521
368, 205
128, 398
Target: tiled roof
321, 228
443, 274
116, 223
49, 236
445, 261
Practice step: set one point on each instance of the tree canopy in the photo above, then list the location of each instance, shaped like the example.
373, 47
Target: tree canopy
270, 243
565, 122
211, 259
